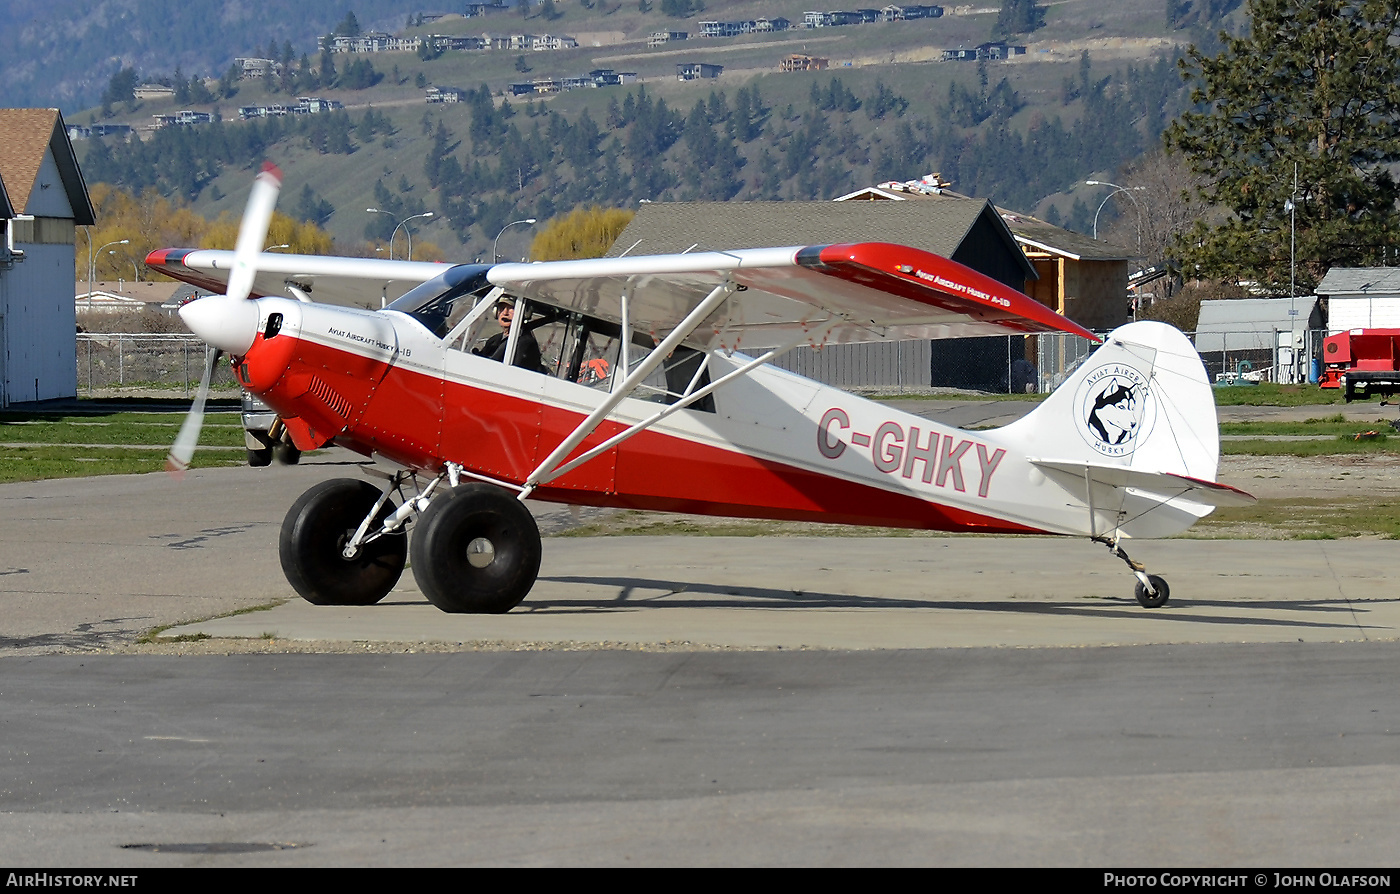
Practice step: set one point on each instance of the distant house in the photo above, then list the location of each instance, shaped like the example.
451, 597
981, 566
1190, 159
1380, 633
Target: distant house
367, 42
182, 118
658, 38
897, 13
43, 199
255, 67
84, 132
446, 94
553, 42
727, 29
154, 91
961, 54
480, 9
311, 105
803, 62
122, 296
691, 71
999, 50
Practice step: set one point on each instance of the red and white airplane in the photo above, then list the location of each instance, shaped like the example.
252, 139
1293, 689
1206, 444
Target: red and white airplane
645, 382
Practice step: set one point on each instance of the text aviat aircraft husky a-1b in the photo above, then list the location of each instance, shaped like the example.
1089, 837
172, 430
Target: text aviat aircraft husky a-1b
620, 382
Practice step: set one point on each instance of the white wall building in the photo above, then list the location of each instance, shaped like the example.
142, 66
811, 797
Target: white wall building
1361, 298
42, 200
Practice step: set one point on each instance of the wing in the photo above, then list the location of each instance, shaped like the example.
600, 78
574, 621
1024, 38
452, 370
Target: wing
860, 292
361, 282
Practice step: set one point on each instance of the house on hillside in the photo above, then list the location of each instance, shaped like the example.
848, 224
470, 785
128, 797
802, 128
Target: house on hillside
803, 62
42, 200
691, 71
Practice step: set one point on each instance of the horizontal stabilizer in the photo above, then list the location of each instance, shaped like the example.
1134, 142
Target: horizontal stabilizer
1073, 475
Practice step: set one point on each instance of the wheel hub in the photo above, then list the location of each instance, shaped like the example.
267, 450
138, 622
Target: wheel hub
480, 552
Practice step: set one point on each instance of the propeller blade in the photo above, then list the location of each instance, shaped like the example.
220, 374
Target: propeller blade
252, 230
182, 451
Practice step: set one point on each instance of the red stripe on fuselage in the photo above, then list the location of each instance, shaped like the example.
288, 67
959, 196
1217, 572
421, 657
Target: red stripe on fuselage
504, 436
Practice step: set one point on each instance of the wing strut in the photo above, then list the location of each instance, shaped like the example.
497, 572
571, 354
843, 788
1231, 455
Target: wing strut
634, 378
690, 398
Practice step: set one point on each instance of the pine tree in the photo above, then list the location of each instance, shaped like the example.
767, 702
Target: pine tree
1018, 17
1314, 88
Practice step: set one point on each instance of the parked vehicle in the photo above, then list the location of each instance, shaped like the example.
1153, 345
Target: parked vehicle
1362, 362
264, 434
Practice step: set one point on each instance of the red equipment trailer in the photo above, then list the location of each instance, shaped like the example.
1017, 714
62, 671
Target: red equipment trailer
1362, 362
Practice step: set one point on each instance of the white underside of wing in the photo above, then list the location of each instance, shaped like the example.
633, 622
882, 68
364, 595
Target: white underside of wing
359, 282
780, 299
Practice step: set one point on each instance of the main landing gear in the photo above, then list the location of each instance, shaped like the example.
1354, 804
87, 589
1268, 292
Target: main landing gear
1151, 591
475, 549
314, 536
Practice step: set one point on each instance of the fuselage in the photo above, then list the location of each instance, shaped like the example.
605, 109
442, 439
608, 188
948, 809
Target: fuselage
777, 445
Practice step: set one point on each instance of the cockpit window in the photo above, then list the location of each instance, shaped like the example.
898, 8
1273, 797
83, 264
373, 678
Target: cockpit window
433, 303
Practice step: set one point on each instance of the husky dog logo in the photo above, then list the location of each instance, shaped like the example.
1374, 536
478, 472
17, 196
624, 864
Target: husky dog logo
1113, 416
1113, 407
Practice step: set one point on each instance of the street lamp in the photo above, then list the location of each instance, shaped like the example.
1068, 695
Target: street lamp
1116, 190
494, 255
92, 264
407, 232
402, 224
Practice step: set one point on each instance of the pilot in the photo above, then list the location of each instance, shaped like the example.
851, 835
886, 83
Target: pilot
527, 350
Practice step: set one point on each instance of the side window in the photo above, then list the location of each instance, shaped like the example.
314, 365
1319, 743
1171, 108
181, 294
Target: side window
572, 347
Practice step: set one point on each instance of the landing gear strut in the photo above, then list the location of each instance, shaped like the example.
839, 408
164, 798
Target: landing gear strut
313, 545
1151, 591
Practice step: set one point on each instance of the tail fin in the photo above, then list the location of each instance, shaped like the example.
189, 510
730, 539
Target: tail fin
1133, 434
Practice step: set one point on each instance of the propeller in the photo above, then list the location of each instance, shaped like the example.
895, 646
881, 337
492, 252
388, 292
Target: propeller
182, 451
228, 323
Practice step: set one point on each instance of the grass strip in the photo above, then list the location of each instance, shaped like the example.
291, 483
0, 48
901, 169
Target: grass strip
36, 463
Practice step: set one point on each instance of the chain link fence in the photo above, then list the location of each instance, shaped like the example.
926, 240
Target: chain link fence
164, 362
175, 362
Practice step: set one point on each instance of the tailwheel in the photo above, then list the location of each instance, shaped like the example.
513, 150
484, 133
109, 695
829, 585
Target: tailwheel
312, 545
1156, 599
476, 550
1151, 591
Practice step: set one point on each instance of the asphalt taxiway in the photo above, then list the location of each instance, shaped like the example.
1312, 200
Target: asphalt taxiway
686, 700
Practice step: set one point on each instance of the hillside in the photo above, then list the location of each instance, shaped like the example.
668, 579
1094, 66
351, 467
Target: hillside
1021, 132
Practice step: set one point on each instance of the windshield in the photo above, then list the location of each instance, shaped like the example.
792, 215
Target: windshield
432, 303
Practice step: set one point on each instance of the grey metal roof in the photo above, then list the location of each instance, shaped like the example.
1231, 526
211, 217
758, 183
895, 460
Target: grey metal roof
1250, 323
939, 227
1360, 281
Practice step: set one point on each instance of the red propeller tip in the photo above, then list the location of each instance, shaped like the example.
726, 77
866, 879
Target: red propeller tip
273, 171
